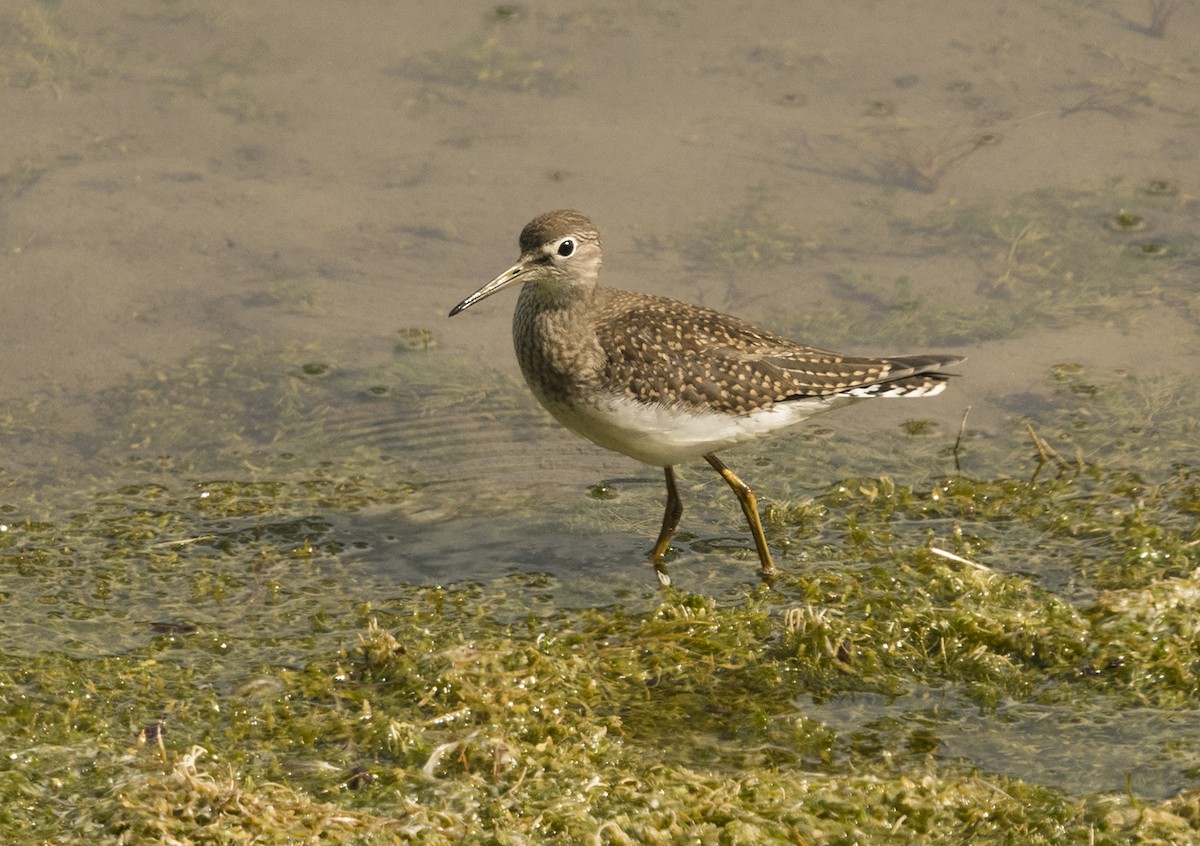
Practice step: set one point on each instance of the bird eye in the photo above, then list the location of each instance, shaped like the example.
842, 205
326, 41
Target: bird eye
566, 246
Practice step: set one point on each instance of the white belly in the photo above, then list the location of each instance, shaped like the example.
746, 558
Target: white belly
668, 435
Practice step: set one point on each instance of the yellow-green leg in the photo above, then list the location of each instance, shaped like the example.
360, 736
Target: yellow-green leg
670, 520
750, 509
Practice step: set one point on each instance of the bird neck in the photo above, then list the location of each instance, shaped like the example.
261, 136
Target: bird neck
554, 337
575, 297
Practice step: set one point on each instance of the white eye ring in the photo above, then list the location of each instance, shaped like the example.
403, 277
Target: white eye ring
565, 248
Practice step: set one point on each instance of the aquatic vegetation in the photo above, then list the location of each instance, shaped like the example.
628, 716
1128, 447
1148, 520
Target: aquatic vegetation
754, 236
487, 60
1045, 259
194, 653
920, 165
36, 50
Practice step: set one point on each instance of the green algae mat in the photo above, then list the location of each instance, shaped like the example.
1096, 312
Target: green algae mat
208, 639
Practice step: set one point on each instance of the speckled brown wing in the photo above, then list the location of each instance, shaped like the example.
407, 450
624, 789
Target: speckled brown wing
662, 350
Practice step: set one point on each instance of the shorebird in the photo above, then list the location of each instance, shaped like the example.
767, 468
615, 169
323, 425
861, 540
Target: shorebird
664, 381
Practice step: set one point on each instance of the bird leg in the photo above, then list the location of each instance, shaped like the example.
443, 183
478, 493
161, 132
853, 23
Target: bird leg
750, 509
670, 521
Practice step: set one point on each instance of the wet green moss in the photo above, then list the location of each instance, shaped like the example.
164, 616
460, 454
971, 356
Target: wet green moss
434, 724
191, 650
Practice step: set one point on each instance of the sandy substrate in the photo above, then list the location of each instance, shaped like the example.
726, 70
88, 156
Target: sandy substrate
177, 178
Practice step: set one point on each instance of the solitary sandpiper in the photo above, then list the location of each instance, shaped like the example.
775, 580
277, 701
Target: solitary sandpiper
664, 381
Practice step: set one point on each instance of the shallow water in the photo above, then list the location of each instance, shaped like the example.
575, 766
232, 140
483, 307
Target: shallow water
231, 233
